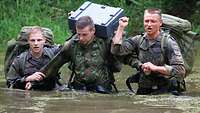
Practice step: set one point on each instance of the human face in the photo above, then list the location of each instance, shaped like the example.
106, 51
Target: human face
85, 35
152, 24
36, 42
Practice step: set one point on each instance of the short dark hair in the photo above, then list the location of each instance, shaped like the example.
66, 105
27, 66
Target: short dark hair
85, 21
153, 11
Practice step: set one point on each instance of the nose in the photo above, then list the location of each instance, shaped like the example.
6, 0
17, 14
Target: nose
149, 23
35, 42
80, 37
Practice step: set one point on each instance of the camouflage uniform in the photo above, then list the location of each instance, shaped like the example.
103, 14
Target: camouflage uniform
147, 51
25, 65
89, 64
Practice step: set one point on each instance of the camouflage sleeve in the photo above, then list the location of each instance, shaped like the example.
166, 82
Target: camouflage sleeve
127, 47
14, 77
175, 60
128, 50
62, 57
132, 60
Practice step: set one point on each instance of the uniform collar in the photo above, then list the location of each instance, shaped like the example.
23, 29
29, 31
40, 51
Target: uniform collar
90, 44
145, 44
158, 38
44, 54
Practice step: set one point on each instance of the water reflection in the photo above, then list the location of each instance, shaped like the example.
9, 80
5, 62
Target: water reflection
18, 101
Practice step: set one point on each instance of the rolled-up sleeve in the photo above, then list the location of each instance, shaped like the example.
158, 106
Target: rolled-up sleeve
128, 49
176, 63
127, 46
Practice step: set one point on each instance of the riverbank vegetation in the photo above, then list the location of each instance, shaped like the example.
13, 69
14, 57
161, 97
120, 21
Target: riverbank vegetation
53, 14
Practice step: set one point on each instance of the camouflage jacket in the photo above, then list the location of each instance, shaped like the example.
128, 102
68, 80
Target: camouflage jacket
151, 52
25, 64
91, 64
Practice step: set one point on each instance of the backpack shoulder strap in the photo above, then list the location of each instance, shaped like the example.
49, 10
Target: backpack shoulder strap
71, 65
140, 39
49, 52
22, 57
164, 43
103, 46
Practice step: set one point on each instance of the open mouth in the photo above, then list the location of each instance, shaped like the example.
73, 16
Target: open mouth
35, 47
149, 28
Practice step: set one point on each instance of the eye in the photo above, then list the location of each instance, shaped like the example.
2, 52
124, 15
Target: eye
84, 34
146, 21
78, 34
153, 21
39, 40
32, 40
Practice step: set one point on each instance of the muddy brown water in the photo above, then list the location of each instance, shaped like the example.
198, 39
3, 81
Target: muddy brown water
18, 101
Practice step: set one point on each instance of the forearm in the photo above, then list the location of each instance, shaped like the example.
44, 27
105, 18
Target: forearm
162, 70
174, 70
13, 77
117, 39
16, 83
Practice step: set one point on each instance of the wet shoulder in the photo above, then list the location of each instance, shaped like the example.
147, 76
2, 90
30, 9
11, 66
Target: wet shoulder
20, 58
169, 40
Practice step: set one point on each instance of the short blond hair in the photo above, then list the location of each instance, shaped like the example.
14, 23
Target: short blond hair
36, 29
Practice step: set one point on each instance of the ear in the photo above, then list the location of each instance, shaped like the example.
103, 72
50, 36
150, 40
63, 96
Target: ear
161, 22
93, 30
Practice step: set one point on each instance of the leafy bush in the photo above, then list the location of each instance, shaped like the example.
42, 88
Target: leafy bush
54, 13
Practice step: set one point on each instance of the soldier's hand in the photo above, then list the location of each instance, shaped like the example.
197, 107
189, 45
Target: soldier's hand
28, 85
123, 22
37, 76
149, 67
146, 68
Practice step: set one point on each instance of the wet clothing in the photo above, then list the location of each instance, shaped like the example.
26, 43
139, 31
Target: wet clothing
151, 51
25, 65
91, 64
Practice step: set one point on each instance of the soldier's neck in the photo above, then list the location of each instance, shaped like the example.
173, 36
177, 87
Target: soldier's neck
37, 55
90, 41
153, 36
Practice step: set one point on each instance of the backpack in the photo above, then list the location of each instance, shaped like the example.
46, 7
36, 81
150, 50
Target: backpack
16, 47
180, 30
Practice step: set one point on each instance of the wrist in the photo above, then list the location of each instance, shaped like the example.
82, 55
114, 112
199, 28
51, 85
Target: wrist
23, 79
121, 28
27, 79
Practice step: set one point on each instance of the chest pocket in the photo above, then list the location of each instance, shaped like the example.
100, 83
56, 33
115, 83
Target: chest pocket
151, 53
88, 57
33, 65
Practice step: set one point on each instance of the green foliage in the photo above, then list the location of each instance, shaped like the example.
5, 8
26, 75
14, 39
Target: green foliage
19, 13
15, 14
